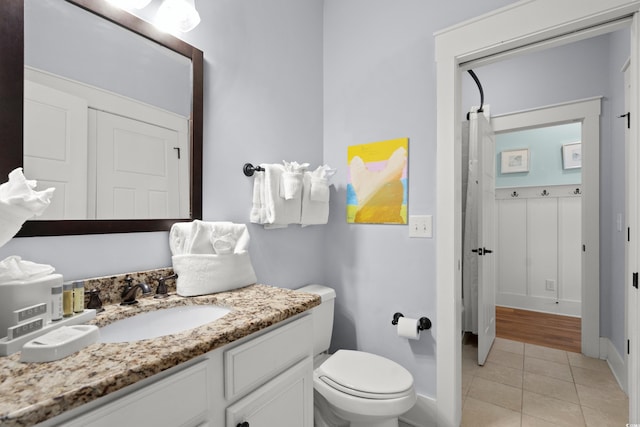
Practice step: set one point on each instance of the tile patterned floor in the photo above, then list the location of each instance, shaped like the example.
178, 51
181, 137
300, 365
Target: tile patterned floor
525, 385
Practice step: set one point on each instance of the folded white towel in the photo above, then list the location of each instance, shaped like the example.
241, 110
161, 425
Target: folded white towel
19, 201
190, 238
227, 237
291, 182
257, 215
279, 212
200, 274
315, 196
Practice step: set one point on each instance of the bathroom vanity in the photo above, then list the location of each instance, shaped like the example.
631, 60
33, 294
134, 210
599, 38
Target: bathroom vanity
251, 367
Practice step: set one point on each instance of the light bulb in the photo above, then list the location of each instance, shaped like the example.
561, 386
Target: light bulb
180, 15
130, 4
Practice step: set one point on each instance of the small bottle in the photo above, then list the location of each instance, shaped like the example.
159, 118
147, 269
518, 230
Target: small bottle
78, 297
67, 299
56, 302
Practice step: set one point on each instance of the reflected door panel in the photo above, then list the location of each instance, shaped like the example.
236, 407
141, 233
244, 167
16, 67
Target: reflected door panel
55, 148
137, 175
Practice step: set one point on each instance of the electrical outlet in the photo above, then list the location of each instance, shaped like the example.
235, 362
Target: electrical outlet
550, 285
420, 226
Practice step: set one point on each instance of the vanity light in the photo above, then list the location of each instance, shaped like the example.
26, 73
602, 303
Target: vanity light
180, 15
130, 4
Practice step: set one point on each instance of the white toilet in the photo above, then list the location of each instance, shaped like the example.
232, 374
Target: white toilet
354, 388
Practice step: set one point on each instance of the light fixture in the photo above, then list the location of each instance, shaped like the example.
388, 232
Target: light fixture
180, 15
130, 4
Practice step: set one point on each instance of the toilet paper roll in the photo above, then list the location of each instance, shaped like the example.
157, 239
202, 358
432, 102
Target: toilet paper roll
408, 328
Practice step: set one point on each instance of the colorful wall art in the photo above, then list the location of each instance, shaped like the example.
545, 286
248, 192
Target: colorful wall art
377, 183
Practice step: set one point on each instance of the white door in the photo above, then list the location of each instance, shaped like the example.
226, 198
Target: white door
481, 129
55, 148
137, 170
632, 358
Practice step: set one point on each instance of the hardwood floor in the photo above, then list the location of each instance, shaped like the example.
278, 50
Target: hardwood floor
549, 330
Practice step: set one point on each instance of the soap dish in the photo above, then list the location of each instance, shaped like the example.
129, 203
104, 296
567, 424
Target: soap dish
59, 343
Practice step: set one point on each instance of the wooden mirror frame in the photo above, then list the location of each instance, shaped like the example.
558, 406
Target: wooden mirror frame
11, 116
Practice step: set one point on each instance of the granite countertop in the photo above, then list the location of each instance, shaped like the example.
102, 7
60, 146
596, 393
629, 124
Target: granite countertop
34, 392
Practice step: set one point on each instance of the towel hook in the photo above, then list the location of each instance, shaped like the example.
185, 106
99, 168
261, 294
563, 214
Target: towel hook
248, 169
514, 194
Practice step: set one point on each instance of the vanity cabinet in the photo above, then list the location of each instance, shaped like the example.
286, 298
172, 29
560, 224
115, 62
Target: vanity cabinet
263, 380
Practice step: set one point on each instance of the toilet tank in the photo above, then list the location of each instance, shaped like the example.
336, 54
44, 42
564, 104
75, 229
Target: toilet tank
322, 316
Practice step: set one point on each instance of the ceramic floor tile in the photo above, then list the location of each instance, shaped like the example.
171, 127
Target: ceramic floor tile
582, 361
509, 345
501, 374
469, 366
603, 399
546, 353
596, 418
499, 394
548, 368
506, 358
529, 421
552, 387
466, 383
476, 413
595, 379
552, 410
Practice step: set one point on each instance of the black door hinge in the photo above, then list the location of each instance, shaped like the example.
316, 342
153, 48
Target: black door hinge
628, 234
635, 280
628, 116
628, 347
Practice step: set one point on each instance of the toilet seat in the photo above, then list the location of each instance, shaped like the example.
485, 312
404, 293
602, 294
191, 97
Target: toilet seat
365, 375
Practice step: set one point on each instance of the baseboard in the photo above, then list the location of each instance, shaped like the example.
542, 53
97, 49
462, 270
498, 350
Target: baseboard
423, 413
615, 361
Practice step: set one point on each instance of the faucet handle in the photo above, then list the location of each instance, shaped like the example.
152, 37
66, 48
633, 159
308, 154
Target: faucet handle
161, 290
94, 301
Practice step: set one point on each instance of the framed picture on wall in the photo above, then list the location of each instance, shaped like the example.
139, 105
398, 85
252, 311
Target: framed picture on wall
513, 161
572, 155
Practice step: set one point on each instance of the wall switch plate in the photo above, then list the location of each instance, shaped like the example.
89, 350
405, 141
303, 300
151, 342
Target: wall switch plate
421, 226
550, 285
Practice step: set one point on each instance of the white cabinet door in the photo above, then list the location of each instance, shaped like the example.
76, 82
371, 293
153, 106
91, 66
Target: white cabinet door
286, 401
179, 400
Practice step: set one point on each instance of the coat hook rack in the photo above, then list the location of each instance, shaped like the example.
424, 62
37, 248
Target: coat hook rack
424, 322
248, 169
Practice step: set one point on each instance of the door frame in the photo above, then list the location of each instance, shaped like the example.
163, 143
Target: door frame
587, 112
517, 26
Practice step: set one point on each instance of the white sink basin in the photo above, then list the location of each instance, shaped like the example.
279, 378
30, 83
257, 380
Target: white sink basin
162, 322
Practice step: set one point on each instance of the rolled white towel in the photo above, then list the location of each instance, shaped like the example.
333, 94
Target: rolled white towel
179, 237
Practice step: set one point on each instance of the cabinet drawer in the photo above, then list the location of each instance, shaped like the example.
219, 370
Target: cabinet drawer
178, 400
251, 364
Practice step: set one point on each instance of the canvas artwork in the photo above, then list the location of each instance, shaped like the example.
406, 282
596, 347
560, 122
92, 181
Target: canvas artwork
377, 182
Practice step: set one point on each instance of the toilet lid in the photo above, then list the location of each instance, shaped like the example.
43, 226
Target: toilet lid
365, 375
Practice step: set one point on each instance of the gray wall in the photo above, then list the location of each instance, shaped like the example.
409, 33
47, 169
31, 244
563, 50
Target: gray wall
576, 71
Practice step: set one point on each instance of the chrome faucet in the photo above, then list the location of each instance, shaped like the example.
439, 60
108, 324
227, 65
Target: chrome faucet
128, 294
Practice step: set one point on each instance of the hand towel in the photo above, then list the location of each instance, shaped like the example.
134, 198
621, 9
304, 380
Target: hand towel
279, 212
19, 201
190, 238
315, 196
291, 182
257, 214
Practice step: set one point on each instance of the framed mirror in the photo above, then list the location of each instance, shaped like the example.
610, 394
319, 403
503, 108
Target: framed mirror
15, 96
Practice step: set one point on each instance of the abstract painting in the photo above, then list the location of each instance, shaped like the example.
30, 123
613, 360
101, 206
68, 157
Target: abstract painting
377, 182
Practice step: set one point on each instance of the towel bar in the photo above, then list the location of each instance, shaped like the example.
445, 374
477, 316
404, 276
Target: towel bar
248, 169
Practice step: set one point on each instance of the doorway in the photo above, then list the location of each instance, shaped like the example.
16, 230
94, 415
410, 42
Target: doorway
489, 35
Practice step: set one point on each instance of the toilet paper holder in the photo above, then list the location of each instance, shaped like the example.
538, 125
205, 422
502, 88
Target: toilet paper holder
424, 322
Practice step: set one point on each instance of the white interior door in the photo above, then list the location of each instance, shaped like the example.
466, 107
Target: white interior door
55, 148
481, 129
138, 170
